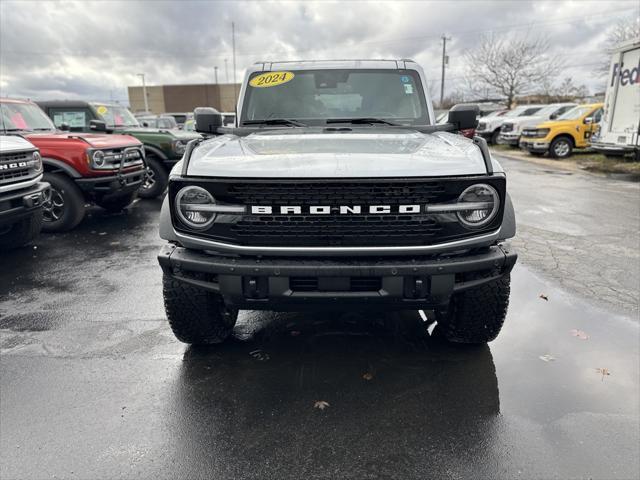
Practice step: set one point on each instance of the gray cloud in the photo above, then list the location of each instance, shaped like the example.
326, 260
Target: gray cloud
93, 50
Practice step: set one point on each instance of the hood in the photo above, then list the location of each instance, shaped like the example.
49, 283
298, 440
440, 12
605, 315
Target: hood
95, 140
177, 134
558, 123
13, 143
313, 154
526, 121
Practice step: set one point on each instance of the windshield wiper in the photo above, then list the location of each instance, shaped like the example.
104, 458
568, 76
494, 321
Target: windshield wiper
42, 129
361, 121
275, 121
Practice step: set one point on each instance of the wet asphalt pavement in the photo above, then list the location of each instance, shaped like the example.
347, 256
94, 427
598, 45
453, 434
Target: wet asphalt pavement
93, 384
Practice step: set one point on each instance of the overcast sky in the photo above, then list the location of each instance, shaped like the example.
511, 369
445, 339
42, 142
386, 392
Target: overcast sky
93, 50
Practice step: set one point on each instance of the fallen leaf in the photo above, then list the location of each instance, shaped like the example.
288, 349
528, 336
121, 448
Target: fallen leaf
547, 358
113, 244
368, 376
603, 372
102, 233
580, 334
321, 404
544, 297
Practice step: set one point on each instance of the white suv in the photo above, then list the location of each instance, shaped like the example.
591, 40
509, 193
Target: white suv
512, 128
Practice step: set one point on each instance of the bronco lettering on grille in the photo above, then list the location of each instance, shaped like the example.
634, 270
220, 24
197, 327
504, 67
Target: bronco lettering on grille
340, 209
11, 166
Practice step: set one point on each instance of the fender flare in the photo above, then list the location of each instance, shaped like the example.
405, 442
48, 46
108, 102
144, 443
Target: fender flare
60, 165
166, 227
156, 151
508, 227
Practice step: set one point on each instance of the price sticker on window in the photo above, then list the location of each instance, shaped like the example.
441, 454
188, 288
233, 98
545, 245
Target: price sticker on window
271, 79
102, 110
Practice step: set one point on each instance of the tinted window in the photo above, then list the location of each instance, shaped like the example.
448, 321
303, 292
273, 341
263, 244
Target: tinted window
317, 95
76, 118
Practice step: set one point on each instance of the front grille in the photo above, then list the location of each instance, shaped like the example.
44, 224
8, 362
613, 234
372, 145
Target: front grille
130, 155
334, 228
507, 127
339, 230
311, 193
15, 174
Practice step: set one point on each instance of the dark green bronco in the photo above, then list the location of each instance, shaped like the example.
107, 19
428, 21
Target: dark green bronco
163, 148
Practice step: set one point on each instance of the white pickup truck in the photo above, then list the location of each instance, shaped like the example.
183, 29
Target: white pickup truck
620, 128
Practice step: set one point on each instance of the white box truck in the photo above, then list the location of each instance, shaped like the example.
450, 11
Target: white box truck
620, 128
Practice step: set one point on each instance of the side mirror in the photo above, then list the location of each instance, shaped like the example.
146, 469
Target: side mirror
464, 117
65, 127
553, 116
588, 120
207, 120
145, 124
97, 126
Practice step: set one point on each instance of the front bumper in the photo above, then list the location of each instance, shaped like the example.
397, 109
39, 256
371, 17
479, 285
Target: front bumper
536, 145
299, 284
16, 205
509, 139
613, 148
120, 183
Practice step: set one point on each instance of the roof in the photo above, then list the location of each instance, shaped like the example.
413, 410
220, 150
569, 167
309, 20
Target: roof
396, 64
14, 100
63, 103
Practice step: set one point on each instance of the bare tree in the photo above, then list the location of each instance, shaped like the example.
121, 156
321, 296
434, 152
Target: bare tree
510, 66
624, 29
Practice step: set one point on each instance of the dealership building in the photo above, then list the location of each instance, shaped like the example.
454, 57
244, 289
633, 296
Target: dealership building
184, 98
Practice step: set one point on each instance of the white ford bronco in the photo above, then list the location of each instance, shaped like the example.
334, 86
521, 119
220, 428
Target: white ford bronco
22, 193
336, 190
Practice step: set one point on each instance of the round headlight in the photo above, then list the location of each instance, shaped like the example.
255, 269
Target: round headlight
37, 159
483, 203
193, 207
98, 158
179, 147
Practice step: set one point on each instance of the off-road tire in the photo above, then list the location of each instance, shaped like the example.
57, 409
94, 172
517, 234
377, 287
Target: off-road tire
196, 316
555, 145
494, 137
74, 203
160, 178
23, 232
477, 315
117, 204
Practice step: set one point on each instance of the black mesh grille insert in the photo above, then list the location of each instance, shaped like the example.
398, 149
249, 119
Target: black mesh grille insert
359, 228
312, 193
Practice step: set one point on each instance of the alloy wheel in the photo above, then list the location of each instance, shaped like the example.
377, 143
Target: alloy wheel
150, 181
53, 206
561, 149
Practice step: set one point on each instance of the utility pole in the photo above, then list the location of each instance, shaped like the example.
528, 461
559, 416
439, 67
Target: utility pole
233, 46
144, 93
445, 61
215, 73
226, 69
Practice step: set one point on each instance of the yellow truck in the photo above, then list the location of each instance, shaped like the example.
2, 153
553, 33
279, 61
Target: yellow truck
559, 137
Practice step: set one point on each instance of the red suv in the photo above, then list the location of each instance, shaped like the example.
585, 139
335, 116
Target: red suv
80, 167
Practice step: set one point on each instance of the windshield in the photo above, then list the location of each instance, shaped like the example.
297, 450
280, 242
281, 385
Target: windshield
115, 115
315, 96
24, 116
575, 113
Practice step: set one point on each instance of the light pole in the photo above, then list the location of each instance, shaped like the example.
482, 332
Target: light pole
226, 69
144, 93
215, 73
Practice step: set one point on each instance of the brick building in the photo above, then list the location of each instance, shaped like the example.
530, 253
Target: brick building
184, 98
